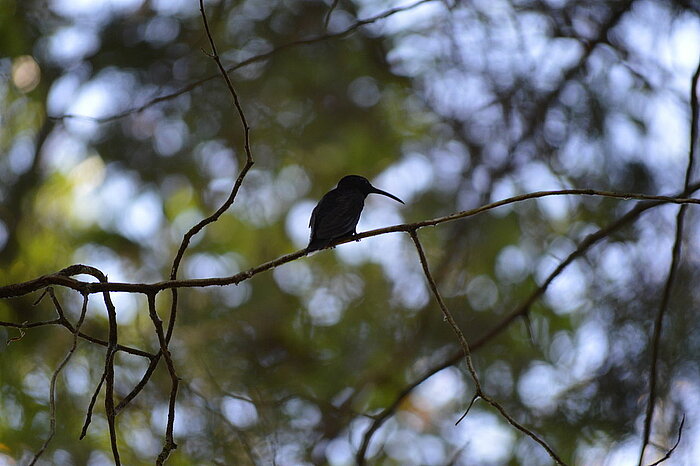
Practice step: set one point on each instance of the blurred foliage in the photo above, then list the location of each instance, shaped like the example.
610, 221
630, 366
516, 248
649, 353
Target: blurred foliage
448, 105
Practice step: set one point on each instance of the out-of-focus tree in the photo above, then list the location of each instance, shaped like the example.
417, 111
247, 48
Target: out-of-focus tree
118, 134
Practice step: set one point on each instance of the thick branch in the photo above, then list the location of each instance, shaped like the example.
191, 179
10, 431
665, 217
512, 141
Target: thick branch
61, 279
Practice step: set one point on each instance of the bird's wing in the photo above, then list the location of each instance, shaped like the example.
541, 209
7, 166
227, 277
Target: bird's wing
313, 216
336, 215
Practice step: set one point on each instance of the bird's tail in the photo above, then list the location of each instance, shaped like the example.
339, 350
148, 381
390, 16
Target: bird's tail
318, 243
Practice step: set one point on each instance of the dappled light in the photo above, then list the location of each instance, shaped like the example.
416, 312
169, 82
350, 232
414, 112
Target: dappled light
532, 302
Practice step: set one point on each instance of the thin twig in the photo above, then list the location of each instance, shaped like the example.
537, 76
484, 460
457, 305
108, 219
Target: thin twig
140, 385
26, 325
469, 407
237, 185
109, 373
327, 19
673, 448
64, 322
673, 268
467, 354
169, 444
448, 315
54, 377
91, 406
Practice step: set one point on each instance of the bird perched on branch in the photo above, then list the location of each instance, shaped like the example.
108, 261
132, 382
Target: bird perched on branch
338, 212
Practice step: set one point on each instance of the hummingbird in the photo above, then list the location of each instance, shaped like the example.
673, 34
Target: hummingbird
337, 213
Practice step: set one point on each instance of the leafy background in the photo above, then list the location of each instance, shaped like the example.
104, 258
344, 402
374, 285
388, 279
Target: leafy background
448, 105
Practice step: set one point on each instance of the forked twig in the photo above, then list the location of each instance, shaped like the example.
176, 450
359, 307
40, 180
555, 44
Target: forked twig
675, 445
108, 374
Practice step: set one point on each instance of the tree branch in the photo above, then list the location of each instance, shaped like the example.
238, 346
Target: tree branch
60, 278
63, 277
467, 354
673, 448
673, 268
108, 374
158, 324
448, 315
54, 377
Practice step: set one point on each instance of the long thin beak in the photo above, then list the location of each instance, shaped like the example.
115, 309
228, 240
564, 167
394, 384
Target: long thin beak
384, 193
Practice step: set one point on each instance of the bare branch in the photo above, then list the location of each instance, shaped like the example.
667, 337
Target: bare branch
69, 327
170, 444
469, 407
327, 19
26, 325
467, 354
64, 322
448, 315
673, 268
91, 405
673, 448
139, 386
54, 377
63, 279
108, 375
236, 187
60, 278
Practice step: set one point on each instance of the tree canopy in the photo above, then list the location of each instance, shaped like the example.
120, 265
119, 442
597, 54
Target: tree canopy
160, 162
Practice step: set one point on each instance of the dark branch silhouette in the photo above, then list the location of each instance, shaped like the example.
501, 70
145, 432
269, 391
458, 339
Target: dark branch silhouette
675, 445
61, 278
673, 268
62, 364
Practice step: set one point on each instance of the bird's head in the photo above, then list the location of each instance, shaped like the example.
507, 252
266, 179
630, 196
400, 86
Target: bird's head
362, 184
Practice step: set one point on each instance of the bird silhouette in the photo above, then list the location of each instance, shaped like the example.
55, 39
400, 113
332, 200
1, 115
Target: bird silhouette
337, 213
